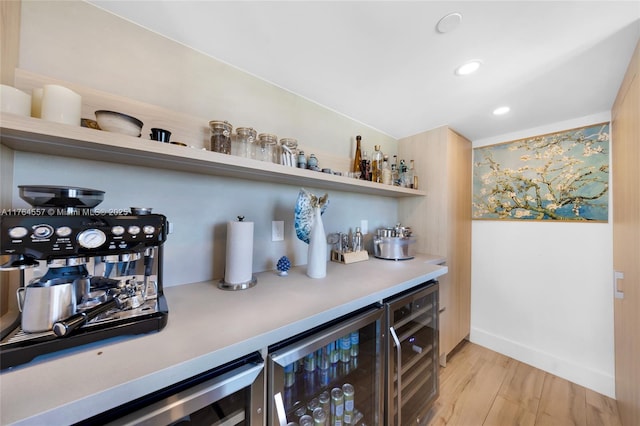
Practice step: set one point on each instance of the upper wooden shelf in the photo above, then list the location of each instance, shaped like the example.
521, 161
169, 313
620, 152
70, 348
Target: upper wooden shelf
40, 136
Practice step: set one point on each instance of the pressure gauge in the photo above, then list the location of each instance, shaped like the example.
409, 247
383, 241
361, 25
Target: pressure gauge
91, 238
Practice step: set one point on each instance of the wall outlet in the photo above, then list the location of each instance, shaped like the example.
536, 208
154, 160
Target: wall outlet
277, 230
364, 226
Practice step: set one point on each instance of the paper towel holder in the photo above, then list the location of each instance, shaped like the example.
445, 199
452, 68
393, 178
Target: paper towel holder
241, 286
224, 285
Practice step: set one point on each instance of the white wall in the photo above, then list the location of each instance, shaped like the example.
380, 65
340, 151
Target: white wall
77, 42
542, 292
199, 206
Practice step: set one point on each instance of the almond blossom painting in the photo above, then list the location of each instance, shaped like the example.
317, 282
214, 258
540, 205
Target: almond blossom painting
561, 176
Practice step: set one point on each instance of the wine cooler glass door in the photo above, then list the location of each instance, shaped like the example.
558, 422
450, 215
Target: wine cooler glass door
412, 350
331, 377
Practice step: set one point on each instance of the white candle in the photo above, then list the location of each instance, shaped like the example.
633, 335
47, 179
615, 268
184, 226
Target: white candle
61, 105
14, 101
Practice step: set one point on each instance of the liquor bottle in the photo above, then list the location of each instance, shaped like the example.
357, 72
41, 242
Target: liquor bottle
376, 165
412, 174
403, 172
365, 166
395, 172
386, 171
358, 157
394, 175
408, 176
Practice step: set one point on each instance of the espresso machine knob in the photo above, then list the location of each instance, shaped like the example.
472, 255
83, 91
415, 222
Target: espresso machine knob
63, 231
117, 230
18, 232
42, 231
91, 238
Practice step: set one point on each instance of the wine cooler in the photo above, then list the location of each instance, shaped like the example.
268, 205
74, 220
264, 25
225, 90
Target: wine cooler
231, 395
332, 375
412, 354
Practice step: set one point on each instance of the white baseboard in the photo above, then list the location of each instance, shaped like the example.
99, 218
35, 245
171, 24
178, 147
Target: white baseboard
598, 381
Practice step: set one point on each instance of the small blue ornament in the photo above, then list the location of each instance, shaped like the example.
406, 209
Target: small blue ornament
283, 266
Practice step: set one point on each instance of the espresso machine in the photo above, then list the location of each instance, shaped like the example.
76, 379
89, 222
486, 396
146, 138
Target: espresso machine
84, 275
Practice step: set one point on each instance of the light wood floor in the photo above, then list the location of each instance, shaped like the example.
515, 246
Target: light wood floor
479, 387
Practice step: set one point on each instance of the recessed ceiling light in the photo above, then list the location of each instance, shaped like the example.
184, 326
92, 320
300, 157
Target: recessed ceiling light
468, 68
449, 22
501, 110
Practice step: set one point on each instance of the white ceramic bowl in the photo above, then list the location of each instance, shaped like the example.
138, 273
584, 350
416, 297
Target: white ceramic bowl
119, 123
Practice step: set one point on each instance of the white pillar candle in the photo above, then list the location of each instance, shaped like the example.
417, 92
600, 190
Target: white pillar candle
14, 101
61, 105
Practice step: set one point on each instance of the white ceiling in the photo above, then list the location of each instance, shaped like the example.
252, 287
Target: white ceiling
384, 64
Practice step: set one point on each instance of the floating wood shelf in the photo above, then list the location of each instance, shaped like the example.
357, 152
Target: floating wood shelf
40, 136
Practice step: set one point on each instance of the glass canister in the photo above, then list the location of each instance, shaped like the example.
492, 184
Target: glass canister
244, 142
220, 136
266, 147
289, 152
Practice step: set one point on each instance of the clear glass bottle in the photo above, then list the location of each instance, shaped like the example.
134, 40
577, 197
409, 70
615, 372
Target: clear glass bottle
386, 171
395, 171
357, 159
245, 142
265, 148
365, 166
402, 173
376, 165
220, 136
411, 176
395, 180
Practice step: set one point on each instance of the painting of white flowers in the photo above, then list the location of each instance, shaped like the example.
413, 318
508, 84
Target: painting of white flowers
561, 176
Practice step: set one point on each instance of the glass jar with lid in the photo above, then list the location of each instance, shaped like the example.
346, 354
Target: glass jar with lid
220, 136
245, 142
266, 147
289, 152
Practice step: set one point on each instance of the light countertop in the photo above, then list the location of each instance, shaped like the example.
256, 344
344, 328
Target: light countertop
207, 327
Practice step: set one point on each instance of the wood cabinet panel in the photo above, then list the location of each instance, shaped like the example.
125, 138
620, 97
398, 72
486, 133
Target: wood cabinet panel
626, 241
442, 220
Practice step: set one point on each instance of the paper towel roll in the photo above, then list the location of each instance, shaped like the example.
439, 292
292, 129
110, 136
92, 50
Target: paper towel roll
239, 263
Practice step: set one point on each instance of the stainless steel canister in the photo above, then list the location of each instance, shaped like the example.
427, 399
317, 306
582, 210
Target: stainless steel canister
393, 248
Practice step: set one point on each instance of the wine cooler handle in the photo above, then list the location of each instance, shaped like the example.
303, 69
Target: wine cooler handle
282, 415
399, 374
